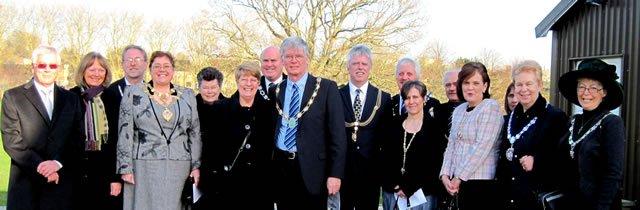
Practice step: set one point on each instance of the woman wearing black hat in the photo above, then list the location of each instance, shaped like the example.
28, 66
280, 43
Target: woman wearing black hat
529, 148
596, 137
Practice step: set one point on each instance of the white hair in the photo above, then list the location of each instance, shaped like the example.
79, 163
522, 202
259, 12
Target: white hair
44, 50
406, 60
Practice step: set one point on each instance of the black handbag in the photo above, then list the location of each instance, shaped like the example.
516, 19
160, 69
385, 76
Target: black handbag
554, 200
187, 192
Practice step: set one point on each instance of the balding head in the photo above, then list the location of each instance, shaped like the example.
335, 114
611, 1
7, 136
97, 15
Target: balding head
271, 63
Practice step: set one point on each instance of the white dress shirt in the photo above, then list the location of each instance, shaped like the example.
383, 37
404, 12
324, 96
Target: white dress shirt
363, 95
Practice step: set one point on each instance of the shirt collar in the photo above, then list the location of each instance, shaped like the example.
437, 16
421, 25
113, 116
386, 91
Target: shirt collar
364, 88
42, 88
126, 82
274, 82
301, 82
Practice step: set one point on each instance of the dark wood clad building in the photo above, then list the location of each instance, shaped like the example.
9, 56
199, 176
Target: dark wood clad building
609, 30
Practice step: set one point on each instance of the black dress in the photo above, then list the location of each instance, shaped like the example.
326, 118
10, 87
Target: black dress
541, 140
98, 169
236, 157
423, 161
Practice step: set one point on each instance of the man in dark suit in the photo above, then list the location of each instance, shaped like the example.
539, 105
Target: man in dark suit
134, 64
367, 110
42, 133
271, 64
443, 111
310, 136
407, 69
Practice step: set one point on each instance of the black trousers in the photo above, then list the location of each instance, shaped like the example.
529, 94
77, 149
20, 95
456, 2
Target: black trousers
478, 194
292, 193
360, 189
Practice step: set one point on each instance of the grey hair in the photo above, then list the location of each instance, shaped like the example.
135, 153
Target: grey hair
45, 50
412, 61
131, 46
359, 50
294, 42
450, 71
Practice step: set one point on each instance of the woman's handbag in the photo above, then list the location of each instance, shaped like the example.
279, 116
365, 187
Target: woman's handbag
552, 200
187, 192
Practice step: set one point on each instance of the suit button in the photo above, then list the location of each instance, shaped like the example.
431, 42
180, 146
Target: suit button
357, 147
515, 156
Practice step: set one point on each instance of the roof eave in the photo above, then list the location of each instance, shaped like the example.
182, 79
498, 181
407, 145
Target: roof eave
552, 18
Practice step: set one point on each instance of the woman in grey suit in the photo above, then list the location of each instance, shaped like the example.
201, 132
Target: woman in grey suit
159, 139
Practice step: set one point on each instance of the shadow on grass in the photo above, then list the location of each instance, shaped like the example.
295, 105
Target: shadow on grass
3, 198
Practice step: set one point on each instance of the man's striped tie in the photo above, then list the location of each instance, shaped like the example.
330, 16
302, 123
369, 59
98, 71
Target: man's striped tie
294, 108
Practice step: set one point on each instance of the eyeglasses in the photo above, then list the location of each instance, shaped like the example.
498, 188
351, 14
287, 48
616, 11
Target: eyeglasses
44, 66
293, 57
158, 67
134, 60
582, 89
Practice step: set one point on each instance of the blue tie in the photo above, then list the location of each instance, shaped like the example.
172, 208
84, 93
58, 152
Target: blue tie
294, 108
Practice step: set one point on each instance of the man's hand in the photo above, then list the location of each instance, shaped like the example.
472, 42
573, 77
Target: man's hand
196, 176
128, 178
333, 185
527, 162
53, 178
48, 167
116, 188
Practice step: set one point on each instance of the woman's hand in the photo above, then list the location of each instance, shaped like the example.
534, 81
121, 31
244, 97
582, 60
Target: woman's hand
116, 188
527, 163
195, 174
128, 178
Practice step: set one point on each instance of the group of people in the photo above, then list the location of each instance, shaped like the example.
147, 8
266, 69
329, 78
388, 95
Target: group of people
297, 141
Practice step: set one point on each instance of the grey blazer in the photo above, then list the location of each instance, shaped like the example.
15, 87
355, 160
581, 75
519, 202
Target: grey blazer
140, 136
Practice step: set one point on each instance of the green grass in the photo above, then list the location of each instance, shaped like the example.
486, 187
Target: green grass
4, 175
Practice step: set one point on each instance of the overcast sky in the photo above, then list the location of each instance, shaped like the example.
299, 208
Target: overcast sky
466, 27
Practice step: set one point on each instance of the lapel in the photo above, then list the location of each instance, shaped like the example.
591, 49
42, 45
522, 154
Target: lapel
346, 100
396, 104
280, 102
31, 93
58, 101
263, 84
308, 90
370, 102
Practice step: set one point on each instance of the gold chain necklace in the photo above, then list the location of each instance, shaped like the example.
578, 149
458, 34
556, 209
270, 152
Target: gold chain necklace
357, 123
164, 99
294, 122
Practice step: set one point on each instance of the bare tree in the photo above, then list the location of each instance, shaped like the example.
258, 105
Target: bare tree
123, 28
200, 42
7, 14
490, 58
162, 35
48, 23
329, 27
82, 28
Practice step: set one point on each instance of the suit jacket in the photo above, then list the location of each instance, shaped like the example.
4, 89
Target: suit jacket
30, 137
320, 139
264, 88
112, 96
370, 137
432, 103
